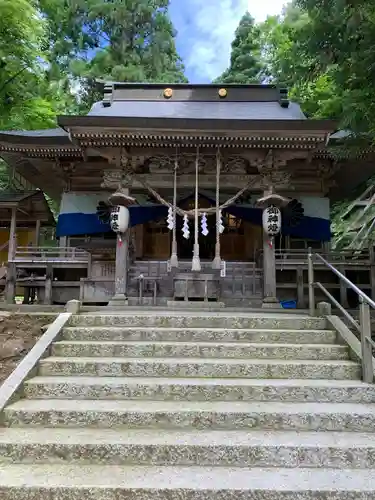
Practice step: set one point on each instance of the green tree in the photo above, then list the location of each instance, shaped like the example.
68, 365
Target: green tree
22, 63
339, 39
288, 63
122, 40
136, 41
245, 61
322, 50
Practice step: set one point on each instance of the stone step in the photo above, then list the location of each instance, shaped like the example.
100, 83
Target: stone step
199, 389
111, 482
346, 417
200, 367
124, 333
241, 448
201, 320
199, 350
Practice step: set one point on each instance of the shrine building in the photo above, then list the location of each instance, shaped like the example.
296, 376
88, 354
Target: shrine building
225, 187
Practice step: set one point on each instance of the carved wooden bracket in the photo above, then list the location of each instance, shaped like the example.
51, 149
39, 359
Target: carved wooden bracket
112, 155
272, 168
116, 179
66, 169
122, 176
233, 164
327, 168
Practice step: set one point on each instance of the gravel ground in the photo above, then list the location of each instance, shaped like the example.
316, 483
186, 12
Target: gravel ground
18, 334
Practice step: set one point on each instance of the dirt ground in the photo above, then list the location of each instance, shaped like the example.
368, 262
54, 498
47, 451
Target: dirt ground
18, 334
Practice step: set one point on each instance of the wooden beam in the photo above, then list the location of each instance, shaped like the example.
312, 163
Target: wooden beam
23, 212
12, 235
37, 233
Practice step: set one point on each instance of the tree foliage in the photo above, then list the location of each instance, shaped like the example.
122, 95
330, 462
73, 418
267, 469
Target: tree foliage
22, 86
245, 61
121, 40
340, 40
288, 63
322, 50
51, 52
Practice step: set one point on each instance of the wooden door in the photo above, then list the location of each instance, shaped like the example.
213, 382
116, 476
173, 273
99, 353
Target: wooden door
233, 239
157, 241
253, 240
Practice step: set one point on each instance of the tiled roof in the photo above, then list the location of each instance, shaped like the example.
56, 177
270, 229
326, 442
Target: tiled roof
196, 110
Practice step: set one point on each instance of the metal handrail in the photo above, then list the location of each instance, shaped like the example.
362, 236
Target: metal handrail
364, 324
351, 285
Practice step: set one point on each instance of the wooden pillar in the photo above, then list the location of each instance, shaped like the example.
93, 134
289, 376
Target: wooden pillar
300, 288
120, 297
26, 295
11, 277
37, 233
269, 273
372, 271
48, 285
196, 263
89, 265
139, 232
63, 241
326, 247
12, 235
343, 291
10, 284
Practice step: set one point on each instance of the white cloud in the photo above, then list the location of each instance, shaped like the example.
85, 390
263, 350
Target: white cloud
210, 31
263, 8
209, 34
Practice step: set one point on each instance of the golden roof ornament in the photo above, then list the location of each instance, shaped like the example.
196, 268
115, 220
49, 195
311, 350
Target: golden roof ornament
168, 93
223, 93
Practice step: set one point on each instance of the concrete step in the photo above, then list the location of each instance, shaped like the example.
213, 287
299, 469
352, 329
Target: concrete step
199, 350
125, 333
110, 482
199, 389
199, 367
199, 415
241, 448
202, 320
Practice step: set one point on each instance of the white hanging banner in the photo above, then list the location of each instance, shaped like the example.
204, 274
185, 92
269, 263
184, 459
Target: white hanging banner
119, 219
271, 219
185, 228
170, 219
204, 224
220, 223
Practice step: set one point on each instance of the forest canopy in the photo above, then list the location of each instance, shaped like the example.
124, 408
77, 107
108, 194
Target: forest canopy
51, 51
322, 51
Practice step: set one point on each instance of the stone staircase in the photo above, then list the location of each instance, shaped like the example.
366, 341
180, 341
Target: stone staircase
192, 406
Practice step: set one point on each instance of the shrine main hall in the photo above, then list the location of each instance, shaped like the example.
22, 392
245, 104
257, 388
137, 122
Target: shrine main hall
220, 190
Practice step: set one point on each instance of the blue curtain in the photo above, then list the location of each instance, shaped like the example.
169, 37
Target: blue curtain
78, 224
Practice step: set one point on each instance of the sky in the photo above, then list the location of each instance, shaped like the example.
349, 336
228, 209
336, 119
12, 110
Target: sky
206, 28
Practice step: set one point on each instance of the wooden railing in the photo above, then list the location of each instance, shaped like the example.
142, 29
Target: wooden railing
246, 283
50, 254
290, 256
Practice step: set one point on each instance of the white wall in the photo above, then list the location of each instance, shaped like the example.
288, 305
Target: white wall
85, 203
